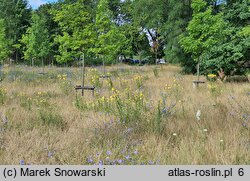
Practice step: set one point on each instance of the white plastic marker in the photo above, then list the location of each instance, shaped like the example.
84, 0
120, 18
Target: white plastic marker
198, 115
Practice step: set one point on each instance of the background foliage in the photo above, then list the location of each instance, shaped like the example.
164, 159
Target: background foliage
180, 31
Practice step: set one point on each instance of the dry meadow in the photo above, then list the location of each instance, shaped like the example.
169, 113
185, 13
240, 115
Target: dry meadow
139, 115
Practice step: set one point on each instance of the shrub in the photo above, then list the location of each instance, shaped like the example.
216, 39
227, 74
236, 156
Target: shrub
237, 78
211, 77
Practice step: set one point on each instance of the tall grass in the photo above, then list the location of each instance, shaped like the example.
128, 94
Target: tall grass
135, 117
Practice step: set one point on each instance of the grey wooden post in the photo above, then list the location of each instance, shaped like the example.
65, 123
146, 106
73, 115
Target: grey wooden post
198, 72
103, 64
43, 65
83, 74
0, 71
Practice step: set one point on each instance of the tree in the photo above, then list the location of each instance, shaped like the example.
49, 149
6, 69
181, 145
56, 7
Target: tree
75, 20
16, 15
233, 53
36, 39
137, 40
110, 40
4, 51
52, 27
179, 14
204, 31
151, 15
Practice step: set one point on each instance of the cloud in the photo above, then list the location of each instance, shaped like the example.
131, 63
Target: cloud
36, 3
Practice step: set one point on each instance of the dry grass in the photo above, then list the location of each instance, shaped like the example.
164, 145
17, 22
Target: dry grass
46, 127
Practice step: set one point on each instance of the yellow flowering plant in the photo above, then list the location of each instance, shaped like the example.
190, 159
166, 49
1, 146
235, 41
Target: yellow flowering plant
211, 77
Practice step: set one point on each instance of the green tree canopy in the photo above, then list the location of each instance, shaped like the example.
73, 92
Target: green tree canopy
110, 39
204, 31
36, 39
77, 29
151, 15
233, 53
16, 15
4, 51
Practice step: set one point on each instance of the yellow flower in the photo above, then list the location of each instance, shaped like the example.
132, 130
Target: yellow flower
103, 99
141, 96
211, 76
210, 86
112, 98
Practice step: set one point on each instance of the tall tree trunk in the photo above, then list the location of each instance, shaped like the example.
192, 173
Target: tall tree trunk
32, 62
140, 57
156, 57
0, 71
16, 56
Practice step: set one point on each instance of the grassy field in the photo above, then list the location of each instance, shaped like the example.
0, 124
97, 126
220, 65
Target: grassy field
141, 115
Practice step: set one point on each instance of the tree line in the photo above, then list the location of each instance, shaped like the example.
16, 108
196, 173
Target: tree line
213, 33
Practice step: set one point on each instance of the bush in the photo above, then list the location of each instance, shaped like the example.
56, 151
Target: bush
237, 78
228, 56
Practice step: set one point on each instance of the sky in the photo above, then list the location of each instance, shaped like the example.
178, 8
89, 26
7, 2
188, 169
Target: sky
36, 3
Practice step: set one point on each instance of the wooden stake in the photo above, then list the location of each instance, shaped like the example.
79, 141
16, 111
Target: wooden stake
198, 72
0, 71
83, 74
43, 65
103, 64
